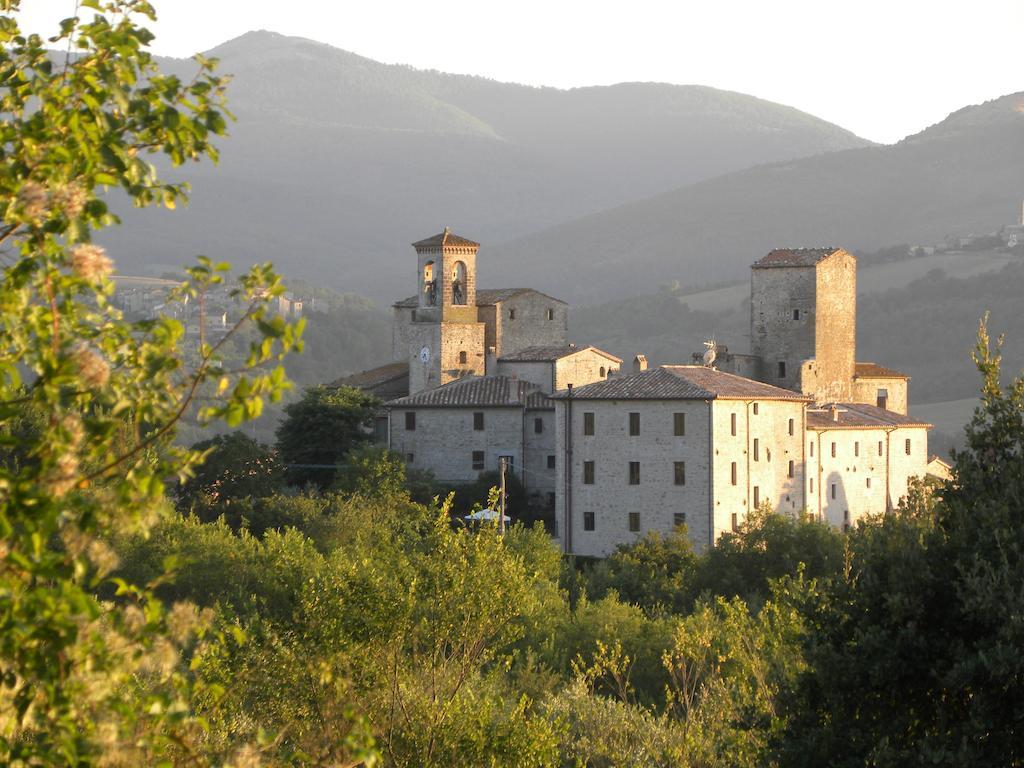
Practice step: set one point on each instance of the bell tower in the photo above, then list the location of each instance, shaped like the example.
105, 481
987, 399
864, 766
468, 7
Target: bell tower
446, 337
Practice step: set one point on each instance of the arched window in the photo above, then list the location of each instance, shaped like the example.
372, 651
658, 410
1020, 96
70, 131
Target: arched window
429, 284
459, 283
602, 371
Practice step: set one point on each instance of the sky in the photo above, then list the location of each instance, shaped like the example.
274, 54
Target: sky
883, 69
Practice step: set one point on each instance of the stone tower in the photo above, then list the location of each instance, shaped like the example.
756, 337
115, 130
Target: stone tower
803, 320
445, 339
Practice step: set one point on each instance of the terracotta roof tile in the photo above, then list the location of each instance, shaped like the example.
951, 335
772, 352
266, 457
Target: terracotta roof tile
548, 354
478, 392
484, 297
374, 376
858, 416
445, 238
795, 257
681, 382
875, 371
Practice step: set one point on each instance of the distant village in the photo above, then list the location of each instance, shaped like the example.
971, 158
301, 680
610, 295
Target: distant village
486, 380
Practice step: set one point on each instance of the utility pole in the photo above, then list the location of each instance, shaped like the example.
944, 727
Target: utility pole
503, 463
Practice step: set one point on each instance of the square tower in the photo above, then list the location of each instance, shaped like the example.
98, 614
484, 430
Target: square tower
445, 340
803, 320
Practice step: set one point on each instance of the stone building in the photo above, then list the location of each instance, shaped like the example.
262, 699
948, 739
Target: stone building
797, 424
465, 427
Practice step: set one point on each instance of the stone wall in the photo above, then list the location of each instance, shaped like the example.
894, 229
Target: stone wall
865, 390
836, 327
611, 498
777, 427
869, 473
537, 372
783, 310
530, 326
585, 367
444, 440
539, 479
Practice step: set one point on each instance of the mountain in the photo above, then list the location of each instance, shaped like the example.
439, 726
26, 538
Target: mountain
959, 176
337, 162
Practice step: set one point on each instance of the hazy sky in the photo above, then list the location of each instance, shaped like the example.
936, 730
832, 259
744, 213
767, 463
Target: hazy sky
881, 68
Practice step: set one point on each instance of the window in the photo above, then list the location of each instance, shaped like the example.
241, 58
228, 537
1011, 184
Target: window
735, 522
906, 446
796, 314
812, 485
791, 426
792, 467
757, 495
679, 424
634, 473
757, 449
600, 372
833, 450
551, 500
478, 420
409, 458
732, 424
812, 450
856, 448
588, 423
551, 461
755, 409
678, 518
551, 314
511, 314
634, 423
733, 469
882, 398
782, 369
478, 459
588, 521
410, 420
879, 447
634, 521
846, 519
462, 357
680, 472
588, 473
538, 425
833, 490
868, 482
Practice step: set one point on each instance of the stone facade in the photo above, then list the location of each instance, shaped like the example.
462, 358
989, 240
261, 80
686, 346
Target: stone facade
803, 321
556, 368
888, 392
527, 318
443, 440
857, 472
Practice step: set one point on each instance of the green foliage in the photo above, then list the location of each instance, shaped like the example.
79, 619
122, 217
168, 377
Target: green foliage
86, 680
372, 470
320, 429
914, 656
234, 467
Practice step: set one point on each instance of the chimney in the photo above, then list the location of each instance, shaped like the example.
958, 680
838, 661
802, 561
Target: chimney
835, 412
639, 364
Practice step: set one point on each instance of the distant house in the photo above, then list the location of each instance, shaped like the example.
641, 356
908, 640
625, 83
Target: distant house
938, 469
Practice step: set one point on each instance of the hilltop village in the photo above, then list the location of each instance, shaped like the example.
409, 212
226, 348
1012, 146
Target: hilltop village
483, 376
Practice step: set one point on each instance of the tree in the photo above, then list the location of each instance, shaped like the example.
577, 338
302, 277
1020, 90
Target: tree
320, 429
87, 680
234, 466
916, 658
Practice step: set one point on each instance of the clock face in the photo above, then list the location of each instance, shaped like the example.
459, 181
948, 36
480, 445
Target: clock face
425, 355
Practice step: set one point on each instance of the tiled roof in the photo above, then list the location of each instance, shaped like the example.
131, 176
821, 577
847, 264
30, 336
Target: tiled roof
445, 238
484, 297
858, 416
478, 392
795, 257
547, 354
374, 377
875, 371
682, 382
